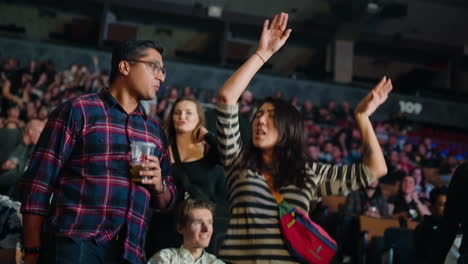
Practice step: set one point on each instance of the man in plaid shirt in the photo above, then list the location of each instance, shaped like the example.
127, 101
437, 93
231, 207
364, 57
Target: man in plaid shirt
97, 214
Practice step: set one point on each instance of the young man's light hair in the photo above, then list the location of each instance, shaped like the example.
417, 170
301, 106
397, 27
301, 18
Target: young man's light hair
184, 209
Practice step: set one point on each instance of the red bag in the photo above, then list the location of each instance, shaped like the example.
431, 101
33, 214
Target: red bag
306, 241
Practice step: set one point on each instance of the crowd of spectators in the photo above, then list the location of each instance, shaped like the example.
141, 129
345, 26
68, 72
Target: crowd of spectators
33, 91
30, 92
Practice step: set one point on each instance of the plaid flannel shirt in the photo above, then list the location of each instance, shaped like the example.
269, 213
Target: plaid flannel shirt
83, 157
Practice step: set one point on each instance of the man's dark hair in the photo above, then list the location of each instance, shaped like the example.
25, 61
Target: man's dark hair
442, 190
128, 50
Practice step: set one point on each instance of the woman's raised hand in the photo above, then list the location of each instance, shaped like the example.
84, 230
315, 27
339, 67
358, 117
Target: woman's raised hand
375, 98
274, 35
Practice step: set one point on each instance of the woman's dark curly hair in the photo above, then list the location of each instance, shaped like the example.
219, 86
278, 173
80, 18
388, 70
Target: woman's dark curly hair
289, 154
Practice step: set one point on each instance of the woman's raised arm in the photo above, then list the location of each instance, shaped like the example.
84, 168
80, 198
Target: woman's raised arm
273, 37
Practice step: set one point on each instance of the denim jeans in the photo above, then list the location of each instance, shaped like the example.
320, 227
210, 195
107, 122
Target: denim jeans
71, 250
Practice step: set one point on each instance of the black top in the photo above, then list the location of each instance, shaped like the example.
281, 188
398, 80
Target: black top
423, 237
358, 202
455, 214
401, 205
204, 174
9, 139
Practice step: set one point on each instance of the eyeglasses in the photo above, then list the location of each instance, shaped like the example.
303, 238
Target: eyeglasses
155, 66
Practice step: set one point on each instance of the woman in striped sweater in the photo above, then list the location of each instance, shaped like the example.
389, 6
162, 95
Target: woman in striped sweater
275, 160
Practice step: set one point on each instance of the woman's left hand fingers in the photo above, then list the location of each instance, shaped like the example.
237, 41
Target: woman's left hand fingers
382, 89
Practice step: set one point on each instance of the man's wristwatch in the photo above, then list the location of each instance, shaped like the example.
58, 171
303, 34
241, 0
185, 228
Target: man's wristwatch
164, 188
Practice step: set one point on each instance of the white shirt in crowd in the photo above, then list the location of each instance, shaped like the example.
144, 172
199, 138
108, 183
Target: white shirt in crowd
182, 256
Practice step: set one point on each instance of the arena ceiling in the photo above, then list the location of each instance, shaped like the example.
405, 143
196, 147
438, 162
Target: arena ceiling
414, 31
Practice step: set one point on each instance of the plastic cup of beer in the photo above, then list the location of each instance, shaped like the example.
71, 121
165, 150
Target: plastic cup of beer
140, 152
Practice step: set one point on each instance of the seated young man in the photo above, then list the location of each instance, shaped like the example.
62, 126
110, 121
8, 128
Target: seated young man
195, 224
